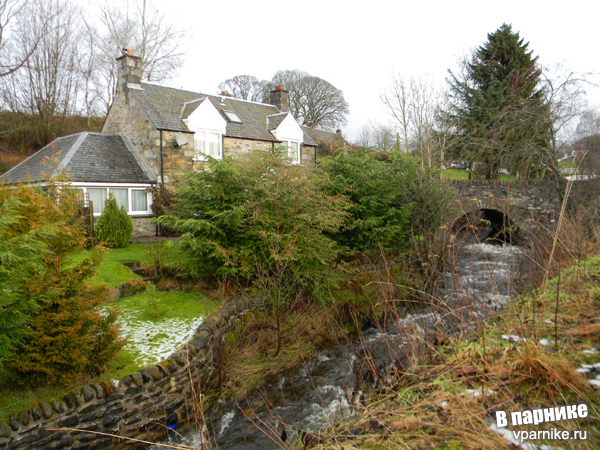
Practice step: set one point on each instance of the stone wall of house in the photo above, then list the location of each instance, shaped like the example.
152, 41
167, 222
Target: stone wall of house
127, 117
143, 227
237, 147
177, 160
308, 155
139, 406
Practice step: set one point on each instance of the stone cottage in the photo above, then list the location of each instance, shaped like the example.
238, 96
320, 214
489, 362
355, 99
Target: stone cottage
154, 134
175, 131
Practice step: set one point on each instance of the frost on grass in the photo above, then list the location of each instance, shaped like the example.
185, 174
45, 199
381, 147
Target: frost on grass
154, 342
513, 338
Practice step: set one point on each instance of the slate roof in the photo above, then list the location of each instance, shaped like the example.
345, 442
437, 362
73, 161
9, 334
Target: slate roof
167, 107
275, 120
89, 157
326, 137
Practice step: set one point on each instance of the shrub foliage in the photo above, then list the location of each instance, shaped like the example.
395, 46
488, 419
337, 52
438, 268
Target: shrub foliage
49, 327
392, 199
67, 336
114, 227
238, 217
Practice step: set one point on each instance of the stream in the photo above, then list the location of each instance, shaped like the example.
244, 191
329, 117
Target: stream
298, 402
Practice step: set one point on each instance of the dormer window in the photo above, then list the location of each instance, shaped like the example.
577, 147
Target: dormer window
207, 143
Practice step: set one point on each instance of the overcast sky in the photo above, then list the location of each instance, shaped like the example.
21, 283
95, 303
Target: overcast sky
357, 48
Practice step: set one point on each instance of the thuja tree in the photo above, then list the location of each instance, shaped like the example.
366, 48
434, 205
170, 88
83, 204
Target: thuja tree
67, 336
114, 227
264, 219
379, 215
20, 257
47, 311
32, 227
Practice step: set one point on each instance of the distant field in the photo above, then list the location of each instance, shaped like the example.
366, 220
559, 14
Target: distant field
459, 174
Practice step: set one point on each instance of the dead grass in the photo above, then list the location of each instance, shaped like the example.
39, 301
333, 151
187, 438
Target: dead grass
451, 399
249, 359
10, 159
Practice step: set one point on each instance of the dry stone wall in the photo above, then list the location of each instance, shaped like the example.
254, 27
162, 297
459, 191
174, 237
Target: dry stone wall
140, 406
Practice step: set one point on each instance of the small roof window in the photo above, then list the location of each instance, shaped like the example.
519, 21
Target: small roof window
232, 117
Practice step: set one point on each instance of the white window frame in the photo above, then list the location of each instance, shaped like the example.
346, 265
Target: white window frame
202, 156
288, 144
107, 186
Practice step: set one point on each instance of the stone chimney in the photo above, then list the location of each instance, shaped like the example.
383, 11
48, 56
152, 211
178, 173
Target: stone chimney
280, 98
130, 71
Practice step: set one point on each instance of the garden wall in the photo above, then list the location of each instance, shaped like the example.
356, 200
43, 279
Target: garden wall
139, 406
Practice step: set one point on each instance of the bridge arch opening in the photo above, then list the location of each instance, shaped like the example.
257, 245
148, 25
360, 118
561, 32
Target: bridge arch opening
490, 226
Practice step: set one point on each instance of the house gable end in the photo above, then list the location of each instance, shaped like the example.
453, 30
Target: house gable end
206, 117
288, 130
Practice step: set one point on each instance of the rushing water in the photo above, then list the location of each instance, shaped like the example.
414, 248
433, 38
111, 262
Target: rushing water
298, 402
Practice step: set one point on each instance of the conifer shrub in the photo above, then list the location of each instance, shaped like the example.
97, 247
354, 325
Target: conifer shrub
114, 227
34, 230
50, 328
68, 336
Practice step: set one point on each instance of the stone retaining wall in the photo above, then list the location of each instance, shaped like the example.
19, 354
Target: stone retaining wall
139, 406
143, 227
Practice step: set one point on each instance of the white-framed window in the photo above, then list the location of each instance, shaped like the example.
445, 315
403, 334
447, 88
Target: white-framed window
208, 143
136, 200
294, 149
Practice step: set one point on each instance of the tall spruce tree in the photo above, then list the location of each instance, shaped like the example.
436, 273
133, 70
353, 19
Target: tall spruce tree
498, 108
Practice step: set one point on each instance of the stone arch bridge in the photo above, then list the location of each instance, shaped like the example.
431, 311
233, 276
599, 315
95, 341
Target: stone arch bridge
527, 206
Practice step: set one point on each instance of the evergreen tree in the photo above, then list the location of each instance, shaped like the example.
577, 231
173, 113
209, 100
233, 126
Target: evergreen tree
379, 216
50, 329
498, 107
33, 230
115, 226
237, 219
68, 336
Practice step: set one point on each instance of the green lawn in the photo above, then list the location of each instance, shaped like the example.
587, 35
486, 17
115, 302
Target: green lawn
569, 164
155, 324
458, 174
111, 271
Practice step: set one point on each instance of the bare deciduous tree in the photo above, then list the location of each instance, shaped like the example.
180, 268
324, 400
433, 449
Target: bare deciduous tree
50, 83
314, 102
142, 28
589, 125
246, 87
10, 10
413, 105
377, 136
